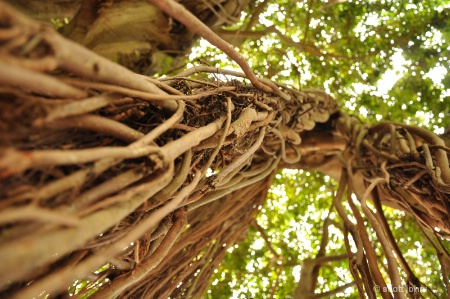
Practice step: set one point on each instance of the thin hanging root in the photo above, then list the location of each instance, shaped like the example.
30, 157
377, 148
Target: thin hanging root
242, 159
97, 124
78, 178
101, 257
382, 237
50, 245
195, 203
440, 155
141, 270
178, 180
415, 178
214, 70
283, 148
176, 148
235, 172
393, 143
160, 129
143, 190
39, 83
366, 252
234, 179
163, 86
33, 213
87, 64
111, 186
178, 78
14, 162
389, 157
78, 107
150, 96
411, 278
230, 108
241, 126
118, 197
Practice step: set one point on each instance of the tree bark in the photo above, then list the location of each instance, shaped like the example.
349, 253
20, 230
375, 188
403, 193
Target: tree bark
133, 33
162, 154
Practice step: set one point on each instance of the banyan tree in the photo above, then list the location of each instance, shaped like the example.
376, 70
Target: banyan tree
117, 184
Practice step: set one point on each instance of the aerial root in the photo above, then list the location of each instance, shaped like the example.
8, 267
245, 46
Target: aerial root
94, 157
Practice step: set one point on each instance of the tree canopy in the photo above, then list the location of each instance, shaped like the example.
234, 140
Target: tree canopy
348, 48
380, 60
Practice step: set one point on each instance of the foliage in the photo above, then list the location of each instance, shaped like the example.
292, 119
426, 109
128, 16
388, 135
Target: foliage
292, 218
387, 60
355, 50
347, 48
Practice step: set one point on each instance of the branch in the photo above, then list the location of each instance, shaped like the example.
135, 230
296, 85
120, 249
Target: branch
264, 236
331, 293
255, 14
178, 12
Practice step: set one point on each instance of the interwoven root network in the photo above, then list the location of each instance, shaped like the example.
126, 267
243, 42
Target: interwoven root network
402, 166
151, 179
99, 166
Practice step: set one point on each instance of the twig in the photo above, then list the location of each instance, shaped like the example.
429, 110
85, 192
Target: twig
214, 70
266, 238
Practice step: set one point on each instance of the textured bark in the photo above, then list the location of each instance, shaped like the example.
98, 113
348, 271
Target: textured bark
133, 33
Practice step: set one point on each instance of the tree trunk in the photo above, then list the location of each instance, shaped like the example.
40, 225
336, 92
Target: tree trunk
133, 33
152, 180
